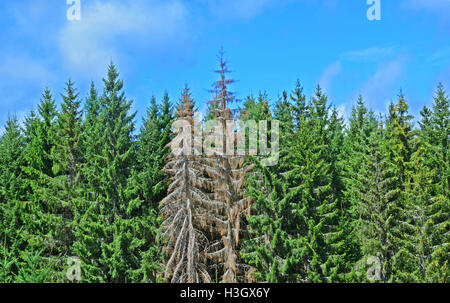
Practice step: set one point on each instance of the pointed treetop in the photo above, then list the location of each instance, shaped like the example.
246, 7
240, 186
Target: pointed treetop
319, 104
186, 105
167, 105
12, 124
299, 106
297, 95
402, 106
441, 99
359, 112
47, 108
111, 82
223, 97
71, 92
93, 91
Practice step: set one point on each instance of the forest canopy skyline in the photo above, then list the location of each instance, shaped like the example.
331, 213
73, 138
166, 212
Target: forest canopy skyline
270, 43
201, 108
83, 199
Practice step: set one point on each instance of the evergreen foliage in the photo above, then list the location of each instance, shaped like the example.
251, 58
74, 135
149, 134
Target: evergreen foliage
363, 200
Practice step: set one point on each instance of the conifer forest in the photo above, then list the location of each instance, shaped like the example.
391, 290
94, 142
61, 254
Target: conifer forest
363, 200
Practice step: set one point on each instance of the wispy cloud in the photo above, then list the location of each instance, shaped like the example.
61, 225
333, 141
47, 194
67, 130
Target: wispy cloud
244, 9
379, 89
368, 54
440, 57
329, 74
440, 8
21, 68
108, 28
432, 5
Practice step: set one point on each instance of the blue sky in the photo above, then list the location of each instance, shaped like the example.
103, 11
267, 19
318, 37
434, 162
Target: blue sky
159, 45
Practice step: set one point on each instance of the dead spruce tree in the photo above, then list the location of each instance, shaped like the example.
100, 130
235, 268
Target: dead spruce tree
205, 207
227, 170
186, 203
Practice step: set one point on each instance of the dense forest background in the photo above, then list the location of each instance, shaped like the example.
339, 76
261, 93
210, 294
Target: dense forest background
365, 200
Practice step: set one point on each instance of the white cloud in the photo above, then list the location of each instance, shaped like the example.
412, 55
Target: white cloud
342, 111
107, 27
244, 9
329, 74
379, 89
440, 8
440, 57
20, 68
432, 5
368, 54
